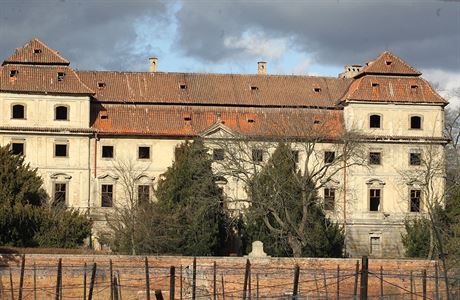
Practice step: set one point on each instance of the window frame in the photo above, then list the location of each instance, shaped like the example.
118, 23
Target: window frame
419, 159
112, 193
66, 192
107, 157
376, 251
327, 191
410, 122
139, 152
380, 121
218, 154
327, 158
256, 153
139, 186
380, 205
420, 200
67, 107
379, 155
24, 111
23, 142
59, 143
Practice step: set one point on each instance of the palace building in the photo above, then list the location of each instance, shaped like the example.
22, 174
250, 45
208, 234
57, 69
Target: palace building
74, 126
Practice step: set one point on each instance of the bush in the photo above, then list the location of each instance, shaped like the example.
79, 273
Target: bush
416, 241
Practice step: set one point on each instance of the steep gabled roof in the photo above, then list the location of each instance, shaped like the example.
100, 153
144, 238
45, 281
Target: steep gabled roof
36, 52
388, 64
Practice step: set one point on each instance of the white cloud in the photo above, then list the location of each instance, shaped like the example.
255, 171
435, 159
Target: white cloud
258, 44
446, 83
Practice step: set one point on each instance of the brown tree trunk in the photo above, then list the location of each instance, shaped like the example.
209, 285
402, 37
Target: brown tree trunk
296, 246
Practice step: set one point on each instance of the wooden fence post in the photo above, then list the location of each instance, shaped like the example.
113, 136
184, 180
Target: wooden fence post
295, 288
158, 295
91, 283
147, 279
325, 283
58, 280
257, 286
111, 278
172, 282
436, 282
337, 296
355, 287
364, 278
119, 285
35, 281
246, 277
84, 281
180, 283
21, 276
381, 283
194, 279
223, 288
214, 271
424, 284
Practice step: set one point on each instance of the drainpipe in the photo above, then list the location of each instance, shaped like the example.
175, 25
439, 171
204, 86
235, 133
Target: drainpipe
345, 193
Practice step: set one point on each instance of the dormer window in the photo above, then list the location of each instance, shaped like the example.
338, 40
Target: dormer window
13, 73
61, 113
375, 121
18, 111
104, 115
251, 120
183, 86
413, 88
101, 85
375, 85
254, 88
415, 122
188, 117
388, 62
60, 76
317, 89
37, 51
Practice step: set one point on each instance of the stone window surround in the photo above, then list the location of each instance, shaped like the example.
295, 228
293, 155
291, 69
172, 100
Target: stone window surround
369, 120
55, 112
25, 110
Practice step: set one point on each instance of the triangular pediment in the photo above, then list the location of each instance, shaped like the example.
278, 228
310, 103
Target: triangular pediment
218, 131
389, 64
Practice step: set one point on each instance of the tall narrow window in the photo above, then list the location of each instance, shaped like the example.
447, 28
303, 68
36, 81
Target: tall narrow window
375, 245
17, 148
257, 155
329, 199
415, 200
60, 194
374, 121
143, 193
415, 122
375, 199
18, 111
61, 113
107, 195
295, 156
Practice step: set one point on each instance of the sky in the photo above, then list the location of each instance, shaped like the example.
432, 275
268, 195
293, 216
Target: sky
309, 37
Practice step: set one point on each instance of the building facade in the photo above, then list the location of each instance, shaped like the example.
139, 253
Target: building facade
78, 127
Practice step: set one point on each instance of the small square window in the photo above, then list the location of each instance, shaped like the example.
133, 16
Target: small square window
375, 158
60, 76
415, 122
415, 159
415, 200
218, 154
60, 150
317, 89
329, 157
374, 199
144, 152
18, 111
183, 86
37, 51
107, 195
257, 155
374, 121
329, 199
107, 151
13, 73
17, 148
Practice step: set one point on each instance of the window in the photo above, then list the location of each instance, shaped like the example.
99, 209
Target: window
60, 194
144, 152
329, 157
415, 122
257, 155
60, 150
415, 159
183, 86
295, 156
329, 199
218, 154
375, 158
37, 51
374, 121
60, 76
375, 245
17, 148
415, 200
107, 151
143, 193
374, 199
317, 89
61, 113
18, 111
107, 195
13, 73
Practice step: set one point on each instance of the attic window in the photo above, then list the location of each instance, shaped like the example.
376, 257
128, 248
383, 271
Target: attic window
101, 85
254, 88
317, 89
375, 85
413, 88
251, 120
388, 62
316, 121
13, 73
183, 86
60, 76
37, 51
104, 115
187, 117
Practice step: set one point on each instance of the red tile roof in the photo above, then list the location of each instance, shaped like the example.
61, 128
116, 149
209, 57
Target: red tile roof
398, 89
41, 79
159, 120
36, 52
216, 89
388, 64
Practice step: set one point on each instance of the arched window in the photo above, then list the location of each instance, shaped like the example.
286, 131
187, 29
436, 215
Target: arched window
415, 122
61, 113
375, 121
18, 111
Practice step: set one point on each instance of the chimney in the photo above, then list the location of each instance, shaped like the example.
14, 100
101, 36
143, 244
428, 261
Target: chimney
350, 71
261, 67
153, 64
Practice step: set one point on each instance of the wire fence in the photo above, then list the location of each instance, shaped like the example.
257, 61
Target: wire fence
25, 279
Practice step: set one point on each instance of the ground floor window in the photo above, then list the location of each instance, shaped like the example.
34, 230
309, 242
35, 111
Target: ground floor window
375, 245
